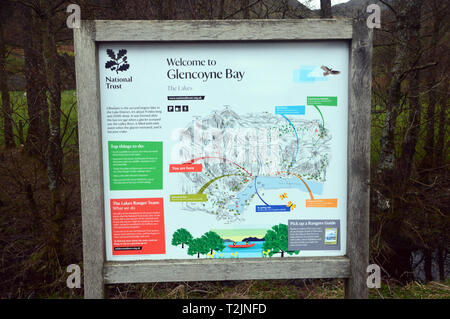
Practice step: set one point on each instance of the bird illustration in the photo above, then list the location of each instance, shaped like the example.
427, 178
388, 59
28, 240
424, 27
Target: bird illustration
329, 71
283, 196
291, 205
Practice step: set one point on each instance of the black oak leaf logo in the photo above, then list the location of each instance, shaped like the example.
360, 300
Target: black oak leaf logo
117, 63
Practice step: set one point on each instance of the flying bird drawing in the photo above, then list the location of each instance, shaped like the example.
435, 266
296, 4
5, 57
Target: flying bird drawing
329, 71
283, 196
291, 205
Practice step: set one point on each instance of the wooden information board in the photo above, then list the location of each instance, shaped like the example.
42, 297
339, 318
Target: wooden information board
224, 150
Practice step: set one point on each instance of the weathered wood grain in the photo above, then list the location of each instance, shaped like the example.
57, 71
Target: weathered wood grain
358, 170
91, 175
223, 30
227, 269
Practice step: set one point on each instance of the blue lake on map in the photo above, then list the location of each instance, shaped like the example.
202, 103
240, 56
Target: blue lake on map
272, 182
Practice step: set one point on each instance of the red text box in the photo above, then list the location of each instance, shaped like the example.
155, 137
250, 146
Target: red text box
137, 226
185, 168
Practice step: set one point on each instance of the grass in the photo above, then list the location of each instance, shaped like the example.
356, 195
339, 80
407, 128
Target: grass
69, 117
413, 290
274, 289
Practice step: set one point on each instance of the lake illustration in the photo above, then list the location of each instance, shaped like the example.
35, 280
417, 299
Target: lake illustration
249, 252
271, 182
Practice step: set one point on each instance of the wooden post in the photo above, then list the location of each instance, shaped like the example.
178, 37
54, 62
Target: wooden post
359, 160
91, 162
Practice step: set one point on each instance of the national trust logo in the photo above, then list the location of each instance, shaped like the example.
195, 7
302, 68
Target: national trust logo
119, 62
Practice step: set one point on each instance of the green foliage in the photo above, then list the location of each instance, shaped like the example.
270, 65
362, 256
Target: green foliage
209, 242
181, 236
276, 241
198, 246
213, 241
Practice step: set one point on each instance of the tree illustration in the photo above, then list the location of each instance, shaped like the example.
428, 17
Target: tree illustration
276, 241
198, 246
181, 236
119, 62
213, 241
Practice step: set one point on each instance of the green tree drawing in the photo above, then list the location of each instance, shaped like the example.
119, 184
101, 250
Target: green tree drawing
213, 241
181, 236
198, 246
276, 241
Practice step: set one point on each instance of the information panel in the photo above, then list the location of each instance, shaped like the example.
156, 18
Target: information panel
225, 149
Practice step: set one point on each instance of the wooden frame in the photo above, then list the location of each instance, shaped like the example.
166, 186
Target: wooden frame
352, 267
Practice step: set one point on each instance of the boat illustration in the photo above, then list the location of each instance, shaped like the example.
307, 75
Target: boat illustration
241, 246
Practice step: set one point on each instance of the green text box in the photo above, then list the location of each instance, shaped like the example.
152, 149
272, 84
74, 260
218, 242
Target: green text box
322, 100
135, 165
188, 198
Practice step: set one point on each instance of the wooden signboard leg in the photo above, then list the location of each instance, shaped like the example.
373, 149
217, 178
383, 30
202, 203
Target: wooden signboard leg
359, 160
90, 161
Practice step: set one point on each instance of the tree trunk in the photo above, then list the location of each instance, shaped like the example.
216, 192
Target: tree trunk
53, 154
415, 108
441, 263
35, 213
325, 9
6, 102
399, 265
169, 10
427, 265
386, 164
221, 9
246, 7
408, 29
36, 86
428, 160
160, 9
442, 128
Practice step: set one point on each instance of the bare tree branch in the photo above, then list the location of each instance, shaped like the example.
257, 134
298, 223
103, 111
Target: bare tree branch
242, 9
389, 6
